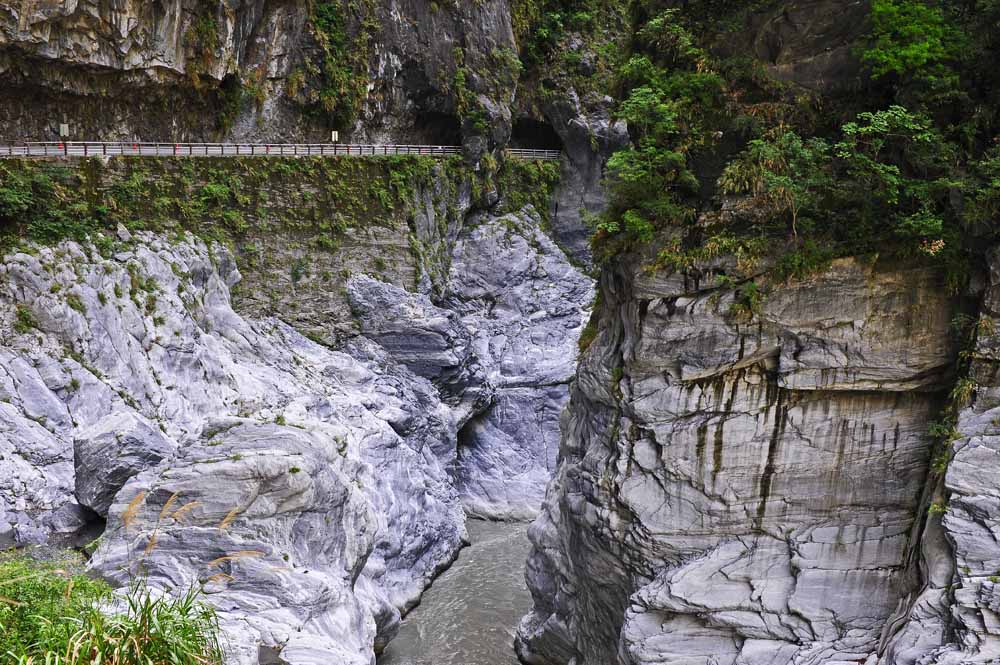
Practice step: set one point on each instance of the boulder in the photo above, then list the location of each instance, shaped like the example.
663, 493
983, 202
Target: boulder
108, 453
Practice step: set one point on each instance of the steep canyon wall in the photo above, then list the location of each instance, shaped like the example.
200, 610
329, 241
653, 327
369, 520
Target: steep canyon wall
757, 491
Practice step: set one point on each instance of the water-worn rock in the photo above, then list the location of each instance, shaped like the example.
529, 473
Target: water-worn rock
736, 490
429, 340
238, 512
507, 454
525, 305
110, 452
36, 465
500, 344
274, 446
334, 478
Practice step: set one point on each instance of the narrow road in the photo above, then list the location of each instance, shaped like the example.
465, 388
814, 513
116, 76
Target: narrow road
116, 149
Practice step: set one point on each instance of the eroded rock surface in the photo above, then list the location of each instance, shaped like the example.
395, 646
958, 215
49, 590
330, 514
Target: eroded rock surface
431, 341
589, 137
302, 484
315, 492
113, 450
501, 344
525, 305
742, 490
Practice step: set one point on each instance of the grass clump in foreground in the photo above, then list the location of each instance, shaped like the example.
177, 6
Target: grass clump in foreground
50, 615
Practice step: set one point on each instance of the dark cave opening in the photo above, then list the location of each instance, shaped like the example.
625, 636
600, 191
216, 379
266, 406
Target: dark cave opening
537, 134
436, 128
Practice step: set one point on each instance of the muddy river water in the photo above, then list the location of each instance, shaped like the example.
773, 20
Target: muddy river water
469, 615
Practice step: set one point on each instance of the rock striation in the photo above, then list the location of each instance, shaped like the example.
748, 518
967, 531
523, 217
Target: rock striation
501, 347
432, 342
301, 484
953, 620
749, 487
525, 305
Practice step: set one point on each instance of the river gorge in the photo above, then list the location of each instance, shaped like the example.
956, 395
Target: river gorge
471, 612
554, 332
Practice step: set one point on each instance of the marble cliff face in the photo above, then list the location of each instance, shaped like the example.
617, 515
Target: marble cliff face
314, 492
734, 491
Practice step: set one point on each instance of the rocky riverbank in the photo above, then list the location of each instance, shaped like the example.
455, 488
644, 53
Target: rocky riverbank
313, 492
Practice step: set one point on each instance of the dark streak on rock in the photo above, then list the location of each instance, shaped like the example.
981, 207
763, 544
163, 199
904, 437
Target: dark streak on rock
766, 478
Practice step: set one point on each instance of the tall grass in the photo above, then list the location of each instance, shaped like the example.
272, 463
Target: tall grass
153, 630
51, 617
34, 595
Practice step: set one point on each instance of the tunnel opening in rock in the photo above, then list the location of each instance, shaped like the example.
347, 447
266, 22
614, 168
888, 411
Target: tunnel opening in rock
531, 133
437, 128
229, 97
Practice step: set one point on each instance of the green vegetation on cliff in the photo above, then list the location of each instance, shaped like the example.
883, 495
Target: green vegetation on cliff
298, 228
527, 183
900, 160
217, 198
339, 67
230, 199
570, 49
910, 37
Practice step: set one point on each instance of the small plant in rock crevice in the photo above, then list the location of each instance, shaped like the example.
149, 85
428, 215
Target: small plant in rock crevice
24, 320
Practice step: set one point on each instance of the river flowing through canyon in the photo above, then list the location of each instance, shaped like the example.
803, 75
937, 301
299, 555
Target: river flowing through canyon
471, 612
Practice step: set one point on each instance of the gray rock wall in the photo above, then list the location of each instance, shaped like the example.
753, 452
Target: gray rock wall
500, 345
171, 70
736, 489
139, 70
589, 138
954, 619
525, 305
304, 486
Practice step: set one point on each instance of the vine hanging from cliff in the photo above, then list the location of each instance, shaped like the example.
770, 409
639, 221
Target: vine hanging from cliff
333, 78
